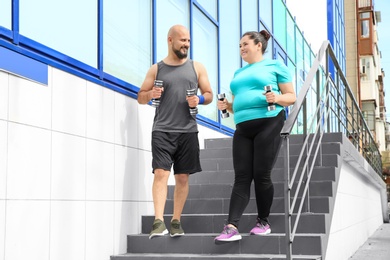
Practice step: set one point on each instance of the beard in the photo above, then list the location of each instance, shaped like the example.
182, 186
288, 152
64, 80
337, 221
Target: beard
180, 54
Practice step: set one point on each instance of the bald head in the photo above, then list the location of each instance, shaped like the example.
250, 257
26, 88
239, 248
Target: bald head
178, 42
177, 30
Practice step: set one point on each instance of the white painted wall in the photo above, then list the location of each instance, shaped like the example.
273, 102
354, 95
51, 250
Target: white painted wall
357, 214
75, 168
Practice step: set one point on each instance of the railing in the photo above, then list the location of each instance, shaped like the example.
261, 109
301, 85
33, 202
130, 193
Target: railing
325, 104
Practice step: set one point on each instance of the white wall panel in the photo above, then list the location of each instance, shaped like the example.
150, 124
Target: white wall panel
27, 231
3, 158
3, 95
145, 124
357, 204
68, 167
126, 174
100, 170
29, 102
99, 230
67, 230
29, 154
2, 227
126, 121
127, 220
69, 103
100, 113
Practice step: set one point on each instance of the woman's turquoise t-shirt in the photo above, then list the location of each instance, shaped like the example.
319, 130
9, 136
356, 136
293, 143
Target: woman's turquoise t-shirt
247, 88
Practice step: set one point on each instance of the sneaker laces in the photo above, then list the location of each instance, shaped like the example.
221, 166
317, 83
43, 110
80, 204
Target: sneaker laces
228, 229
175, 225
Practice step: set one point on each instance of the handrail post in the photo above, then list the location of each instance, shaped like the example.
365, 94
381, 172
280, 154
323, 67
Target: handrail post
287, 189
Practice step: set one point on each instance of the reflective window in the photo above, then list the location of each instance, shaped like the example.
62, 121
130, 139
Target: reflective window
62, 27
291, 37
249, 16
6, 14
211, 7
269, 51
299, 60
178, 11
127, 40
230, 59
204, 44
266, 13
365, 28
279, 14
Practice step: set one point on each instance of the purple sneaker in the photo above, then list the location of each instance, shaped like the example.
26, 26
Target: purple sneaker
262, 228
228, 234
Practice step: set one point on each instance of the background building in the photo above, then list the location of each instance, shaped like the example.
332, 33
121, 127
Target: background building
75, 171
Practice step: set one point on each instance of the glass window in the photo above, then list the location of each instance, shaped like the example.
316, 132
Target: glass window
6, 14
63, 27
269, 51
178, 11
299, 60
229, 41
127, 39
266, 13
279, 15
211, 7
249, 16
365, 29
291, 37
204, 44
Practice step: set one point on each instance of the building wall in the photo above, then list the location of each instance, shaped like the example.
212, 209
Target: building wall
358, 203
352, 60
75, 168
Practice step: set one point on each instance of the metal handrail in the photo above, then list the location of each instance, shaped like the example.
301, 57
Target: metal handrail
336, 111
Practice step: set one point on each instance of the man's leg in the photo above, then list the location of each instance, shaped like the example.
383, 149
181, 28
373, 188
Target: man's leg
180, 194
160, 191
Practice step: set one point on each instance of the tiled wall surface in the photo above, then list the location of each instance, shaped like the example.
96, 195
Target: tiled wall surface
75, 168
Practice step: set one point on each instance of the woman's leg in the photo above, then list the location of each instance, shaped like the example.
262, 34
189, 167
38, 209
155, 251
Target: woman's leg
242, 161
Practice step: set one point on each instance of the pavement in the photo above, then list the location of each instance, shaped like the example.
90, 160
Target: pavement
377, 247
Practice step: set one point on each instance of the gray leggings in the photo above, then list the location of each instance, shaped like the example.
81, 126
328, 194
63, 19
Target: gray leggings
255, 146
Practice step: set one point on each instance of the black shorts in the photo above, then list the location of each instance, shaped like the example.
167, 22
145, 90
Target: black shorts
178, 149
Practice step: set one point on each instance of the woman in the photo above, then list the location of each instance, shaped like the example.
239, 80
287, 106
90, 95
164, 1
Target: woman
257, 137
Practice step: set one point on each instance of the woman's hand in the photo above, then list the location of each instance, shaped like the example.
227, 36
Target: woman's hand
223, 105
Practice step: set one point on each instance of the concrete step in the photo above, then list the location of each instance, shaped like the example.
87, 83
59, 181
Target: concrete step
227, 176
295, 149
146, 256
205, 191
223, 164
221, 205
201, 244
213, 223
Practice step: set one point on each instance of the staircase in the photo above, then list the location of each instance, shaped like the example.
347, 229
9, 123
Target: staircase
206, 210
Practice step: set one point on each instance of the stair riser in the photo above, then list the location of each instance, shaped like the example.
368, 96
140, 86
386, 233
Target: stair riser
227, 176
295, 149
310, 245
205, 191
309, 223
221, 206
223, 164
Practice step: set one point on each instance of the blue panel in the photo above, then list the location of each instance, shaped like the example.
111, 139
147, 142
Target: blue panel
23, 66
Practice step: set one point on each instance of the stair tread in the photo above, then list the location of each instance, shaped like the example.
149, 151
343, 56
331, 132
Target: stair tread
222, 256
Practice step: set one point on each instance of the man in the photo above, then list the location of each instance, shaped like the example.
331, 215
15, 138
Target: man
175, 132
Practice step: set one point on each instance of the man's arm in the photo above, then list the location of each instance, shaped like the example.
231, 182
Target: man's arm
147, 90
204, 83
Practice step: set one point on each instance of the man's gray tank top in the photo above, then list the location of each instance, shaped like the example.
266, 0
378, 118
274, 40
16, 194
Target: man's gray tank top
173, 114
